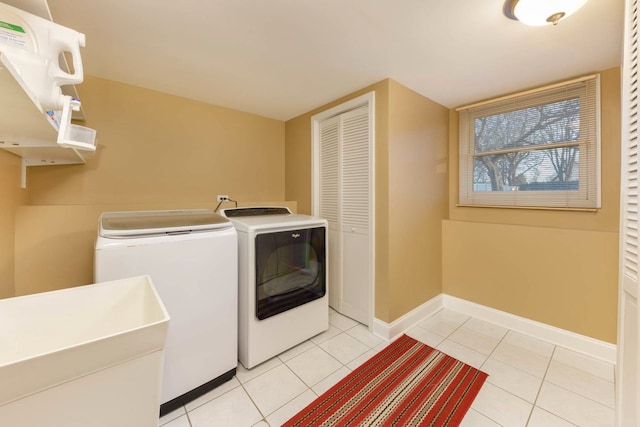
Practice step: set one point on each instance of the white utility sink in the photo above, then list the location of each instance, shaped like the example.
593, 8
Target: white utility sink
84, 356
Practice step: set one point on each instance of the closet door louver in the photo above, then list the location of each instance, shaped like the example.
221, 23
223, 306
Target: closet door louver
630, 183
628, 369
355, 167
330, 171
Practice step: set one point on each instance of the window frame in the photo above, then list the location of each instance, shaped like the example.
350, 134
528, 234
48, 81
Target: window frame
588, 194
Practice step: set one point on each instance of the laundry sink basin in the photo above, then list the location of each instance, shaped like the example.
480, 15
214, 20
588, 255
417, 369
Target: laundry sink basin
109, 337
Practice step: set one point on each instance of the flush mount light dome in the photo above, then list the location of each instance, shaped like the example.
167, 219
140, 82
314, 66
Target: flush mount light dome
541, 12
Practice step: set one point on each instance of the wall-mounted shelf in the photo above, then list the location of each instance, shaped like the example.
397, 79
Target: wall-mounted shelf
27, 132
35, 105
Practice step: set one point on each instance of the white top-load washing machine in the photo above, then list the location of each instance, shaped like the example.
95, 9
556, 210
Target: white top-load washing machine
191, 256
282, 280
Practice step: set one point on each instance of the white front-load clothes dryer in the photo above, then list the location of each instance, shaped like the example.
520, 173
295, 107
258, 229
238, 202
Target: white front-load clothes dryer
282, 280
191, 256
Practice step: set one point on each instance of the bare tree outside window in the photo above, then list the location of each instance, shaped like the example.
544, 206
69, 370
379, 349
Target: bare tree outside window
536, 149
531, 149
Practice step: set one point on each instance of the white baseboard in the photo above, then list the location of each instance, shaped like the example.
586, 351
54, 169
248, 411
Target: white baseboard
390, 331
580, 343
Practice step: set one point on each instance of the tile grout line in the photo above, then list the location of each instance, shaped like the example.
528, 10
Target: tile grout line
188, 417
582, 396
343, 365
483, 363
543, 378
308, 388
533, 405
535, 401
264, 417
568, 390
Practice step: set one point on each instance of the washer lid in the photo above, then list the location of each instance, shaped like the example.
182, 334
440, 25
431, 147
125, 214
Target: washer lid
151, 223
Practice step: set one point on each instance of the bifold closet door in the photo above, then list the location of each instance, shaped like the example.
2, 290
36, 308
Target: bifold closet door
628, 363
345, 166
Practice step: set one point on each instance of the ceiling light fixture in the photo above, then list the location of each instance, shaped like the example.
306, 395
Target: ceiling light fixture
540, 12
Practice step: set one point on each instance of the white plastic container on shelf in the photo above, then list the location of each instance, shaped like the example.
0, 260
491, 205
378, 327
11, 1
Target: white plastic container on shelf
85, 356
31, 47
74, 136
37, 115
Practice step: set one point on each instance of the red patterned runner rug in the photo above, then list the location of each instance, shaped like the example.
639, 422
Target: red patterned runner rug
405, 384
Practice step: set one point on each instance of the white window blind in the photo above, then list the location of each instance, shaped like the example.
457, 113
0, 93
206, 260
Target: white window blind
540, 148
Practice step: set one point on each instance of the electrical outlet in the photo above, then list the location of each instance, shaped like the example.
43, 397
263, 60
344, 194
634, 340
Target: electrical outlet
223, 197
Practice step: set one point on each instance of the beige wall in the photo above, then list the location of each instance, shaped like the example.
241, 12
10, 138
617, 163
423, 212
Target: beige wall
11, 197
155, 151
410, 174
561, 277
417, 193
154, 147
556, 267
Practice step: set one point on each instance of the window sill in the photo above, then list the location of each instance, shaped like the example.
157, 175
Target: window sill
542, 208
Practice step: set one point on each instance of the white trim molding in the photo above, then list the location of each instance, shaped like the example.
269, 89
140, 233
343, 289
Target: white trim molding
390, 331
580, 343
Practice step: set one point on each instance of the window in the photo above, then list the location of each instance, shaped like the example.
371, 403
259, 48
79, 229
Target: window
540, 148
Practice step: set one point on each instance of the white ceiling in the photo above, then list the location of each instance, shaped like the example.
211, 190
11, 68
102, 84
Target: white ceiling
282, 58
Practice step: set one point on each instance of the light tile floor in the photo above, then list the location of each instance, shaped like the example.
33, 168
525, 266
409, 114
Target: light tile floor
531, 382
